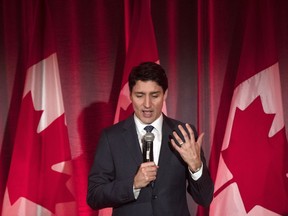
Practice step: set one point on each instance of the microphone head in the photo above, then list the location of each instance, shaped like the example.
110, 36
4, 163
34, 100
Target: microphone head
148, 137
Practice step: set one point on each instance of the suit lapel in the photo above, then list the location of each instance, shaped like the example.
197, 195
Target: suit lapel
166, 148
131, 140
132, 144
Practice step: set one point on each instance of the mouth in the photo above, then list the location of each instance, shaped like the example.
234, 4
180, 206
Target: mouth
147, 113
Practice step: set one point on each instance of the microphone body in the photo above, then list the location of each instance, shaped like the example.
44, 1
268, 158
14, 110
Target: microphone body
148, 149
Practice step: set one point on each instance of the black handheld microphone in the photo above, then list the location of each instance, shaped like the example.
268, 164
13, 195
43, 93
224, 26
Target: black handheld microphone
148, 147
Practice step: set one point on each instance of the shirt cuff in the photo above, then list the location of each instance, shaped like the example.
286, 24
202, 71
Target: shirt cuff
136, 192
195, 176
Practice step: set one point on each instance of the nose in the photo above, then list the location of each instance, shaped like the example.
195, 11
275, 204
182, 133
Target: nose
147, 102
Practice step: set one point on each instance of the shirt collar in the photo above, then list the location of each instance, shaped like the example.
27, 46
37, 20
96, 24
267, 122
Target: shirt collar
157, 124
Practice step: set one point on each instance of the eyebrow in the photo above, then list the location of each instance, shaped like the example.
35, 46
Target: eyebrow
141, 92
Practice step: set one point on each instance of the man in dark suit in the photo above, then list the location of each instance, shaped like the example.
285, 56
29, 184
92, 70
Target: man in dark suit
120, 179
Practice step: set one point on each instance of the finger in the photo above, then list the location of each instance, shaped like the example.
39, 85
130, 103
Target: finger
144, 167
200, 139
191, 132
192, 138
196, 144
183, 131
151, 168
175, 146
148, 164
176, 136
151, 173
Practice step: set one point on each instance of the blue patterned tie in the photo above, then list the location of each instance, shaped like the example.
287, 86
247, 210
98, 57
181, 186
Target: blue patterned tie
149, 128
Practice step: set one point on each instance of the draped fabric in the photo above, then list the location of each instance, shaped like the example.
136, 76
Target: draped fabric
198, 44
254, 139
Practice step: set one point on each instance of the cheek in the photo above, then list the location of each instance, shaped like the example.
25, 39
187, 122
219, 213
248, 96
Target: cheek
136, 103
158, 104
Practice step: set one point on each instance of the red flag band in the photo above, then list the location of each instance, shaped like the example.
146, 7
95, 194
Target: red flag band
39, 180
252, 169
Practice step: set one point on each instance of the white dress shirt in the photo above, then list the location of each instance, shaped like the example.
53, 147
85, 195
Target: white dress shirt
157, 131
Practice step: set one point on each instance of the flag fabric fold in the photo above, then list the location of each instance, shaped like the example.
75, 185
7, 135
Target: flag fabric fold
39, 180
252, 172
140, 47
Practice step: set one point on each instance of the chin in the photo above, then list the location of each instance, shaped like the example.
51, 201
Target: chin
147, 120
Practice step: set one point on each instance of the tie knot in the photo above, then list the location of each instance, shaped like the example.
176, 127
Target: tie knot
149, 128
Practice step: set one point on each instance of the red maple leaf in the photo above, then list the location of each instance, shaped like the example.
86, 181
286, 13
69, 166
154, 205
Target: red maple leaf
257, 162
31, 175
125, 113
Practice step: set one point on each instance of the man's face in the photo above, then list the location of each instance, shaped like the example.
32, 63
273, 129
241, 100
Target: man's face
147, 100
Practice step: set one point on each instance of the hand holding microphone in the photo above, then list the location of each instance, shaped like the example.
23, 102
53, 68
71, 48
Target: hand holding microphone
148, 170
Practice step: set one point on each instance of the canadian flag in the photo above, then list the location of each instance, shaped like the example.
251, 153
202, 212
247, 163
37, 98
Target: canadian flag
140, 47
252, 174
39, 180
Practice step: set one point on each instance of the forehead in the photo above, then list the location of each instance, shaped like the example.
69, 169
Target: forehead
147, 86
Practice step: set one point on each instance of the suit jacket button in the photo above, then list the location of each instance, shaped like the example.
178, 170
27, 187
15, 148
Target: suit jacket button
154, 197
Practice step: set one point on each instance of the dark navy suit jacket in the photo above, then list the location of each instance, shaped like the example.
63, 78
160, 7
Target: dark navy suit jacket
118, 157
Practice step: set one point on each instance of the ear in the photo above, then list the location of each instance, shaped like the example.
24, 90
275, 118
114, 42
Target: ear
165, 94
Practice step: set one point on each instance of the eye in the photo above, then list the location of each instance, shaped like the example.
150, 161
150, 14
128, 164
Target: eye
155, 95
139, 95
